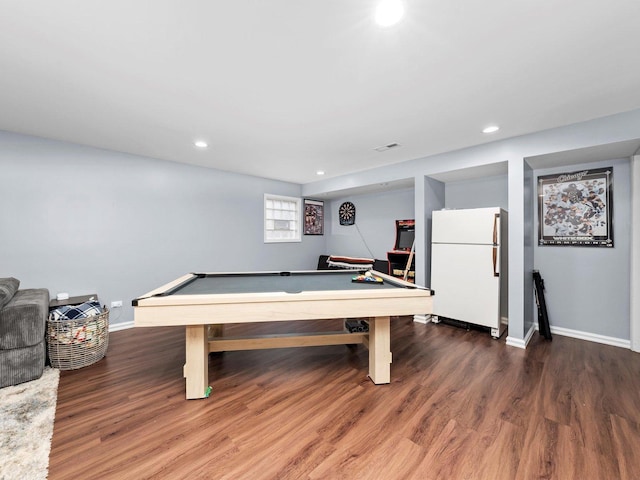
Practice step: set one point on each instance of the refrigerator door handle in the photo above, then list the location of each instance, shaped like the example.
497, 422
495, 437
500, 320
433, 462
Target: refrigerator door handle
496, 219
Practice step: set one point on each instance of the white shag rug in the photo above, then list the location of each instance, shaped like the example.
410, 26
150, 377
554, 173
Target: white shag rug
27, 412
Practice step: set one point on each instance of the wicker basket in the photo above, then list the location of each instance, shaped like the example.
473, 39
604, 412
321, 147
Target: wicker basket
78, 343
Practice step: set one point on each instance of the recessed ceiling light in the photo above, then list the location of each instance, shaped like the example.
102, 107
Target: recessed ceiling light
389, 12
491, 129
320, 172
201, 144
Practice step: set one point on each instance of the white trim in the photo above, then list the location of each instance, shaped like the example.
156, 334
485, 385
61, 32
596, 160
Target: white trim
422, 319
120, 326
521, 343
511, 341
516, 342
634, 300
527, 337
590, 337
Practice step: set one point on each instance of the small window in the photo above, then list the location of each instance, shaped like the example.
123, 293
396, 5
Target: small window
282, 219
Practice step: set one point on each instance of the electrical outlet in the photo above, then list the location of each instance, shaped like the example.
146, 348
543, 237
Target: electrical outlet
116, 304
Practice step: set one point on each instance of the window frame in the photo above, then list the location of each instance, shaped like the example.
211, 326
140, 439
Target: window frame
297, 201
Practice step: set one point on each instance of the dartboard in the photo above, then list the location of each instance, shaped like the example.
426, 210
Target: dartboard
347, 213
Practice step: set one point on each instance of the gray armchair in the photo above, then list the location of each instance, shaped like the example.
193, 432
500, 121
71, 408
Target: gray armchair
23, 317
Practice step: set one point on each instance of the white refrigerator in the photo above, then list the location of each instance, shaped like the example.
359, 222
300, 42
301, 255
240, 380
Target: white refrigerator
469, 271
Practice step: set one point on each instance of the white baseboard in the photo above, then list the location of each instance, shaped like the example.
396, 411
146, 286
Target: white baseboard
590, 337
527, 337
519, 342
120, 326
422, 319
516, 342
511, 341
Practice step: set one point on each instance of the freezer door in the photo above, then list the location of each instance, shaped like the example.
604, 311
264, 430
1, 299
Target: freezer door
473, 226
465, 285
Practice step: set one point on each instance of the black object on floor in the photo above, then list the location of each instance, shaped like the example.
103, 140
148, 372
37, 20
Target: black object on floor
543, 317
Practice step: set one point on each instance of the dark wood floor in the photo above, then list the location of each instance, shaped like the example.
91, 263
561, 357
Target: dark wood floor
460, 406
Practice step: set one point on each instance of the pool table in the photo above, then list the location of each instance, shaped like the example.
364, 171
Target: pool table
202, 302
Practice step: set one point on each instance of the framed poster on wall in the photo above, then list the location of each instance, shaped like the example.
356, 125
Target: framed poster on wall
313, 217
576, 208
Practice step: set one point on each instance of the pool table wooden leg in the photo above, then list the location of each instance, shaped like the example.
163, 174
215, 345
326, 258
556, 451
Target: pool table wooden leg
196, 367
380, 350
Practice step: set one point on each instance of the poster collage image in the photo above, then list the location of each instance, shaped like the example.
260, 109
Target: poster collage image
576, 208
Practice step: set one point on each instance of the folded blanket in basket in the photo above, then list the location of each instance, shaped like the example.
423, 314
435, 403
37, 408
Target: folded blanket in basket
350, 262
71, 312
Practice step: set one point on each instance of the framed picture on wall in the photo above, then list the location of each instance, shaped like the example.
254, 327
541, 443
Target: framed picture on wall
313, 217
576, 208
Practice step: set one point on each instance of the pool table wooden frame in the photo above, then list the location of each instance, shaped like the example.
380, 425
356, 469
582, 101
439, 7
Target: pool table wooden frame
202, 315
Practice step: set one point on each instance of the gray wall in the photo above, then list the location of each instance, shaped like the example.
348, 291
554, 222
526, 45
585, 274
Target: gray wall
478, 193
81, 220
374, 233
430, 197
597, 135
587, 288
529, 197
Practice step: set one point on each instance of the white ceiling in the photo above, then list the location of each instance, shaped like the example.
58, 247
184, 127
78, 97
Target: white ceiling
282, 88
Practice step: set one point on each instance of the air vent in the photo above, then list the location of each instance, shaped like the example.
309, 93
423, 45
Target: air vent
386, 147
